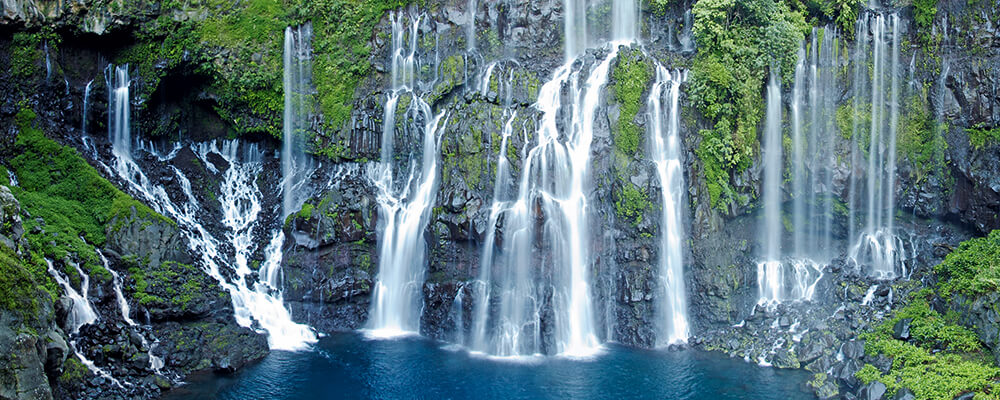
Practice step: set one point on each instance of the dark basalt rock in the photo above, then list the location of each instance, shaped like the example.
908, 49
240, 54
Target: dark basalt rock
873, 391
901, 330
904, 394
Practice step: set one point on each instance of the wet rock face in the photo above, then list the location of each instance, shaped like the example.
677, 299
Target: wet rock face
214, 345
156, 241
11, 229
330, 255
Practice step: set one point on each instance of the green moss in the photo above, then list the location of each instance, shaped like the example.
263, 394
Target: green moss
450, 75
980, 137
23, 282
631, 203
307, 211
631, 75
972, 269
73, 371
170, 283
738, 41
342, 29
940, 360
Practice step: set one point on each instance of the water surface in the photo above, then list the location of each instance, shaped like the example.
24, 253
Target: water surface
348, 365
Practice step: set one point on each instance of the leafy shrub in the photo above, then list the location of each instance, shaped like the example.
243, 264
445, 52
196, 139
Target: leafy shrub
738, 41
973, 268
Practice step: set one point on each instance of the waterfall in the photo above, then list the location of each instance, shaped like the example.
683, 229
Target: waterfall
470, 29
769, 271
296, 166
82, 312
555, 179
240, 201
404, 203
574, 28
624, 20
878, 250
515, 281
119, 129
813, 151
86, 104
156, 363
666, 153
48, 61
793, 275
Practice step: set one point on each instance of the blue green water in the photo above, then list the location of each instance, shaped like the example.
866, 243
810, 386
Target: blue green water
348, 366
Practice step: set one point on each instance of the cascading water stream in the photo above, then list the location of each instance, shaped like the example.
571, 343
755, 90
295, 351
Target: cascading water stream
155, 362
297, 167
470, 29
405, 202
240, 203
86, 104
82, 312
770, 279
554, 183
666, 153
878, 250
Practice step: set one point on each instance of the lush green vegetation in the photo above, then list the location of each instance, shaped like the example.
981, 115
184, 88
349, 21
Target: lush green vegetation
23, 283
921, 140
342, 30
239, 45
980, 137
738, 42
631, 75
939, 361
924, 12
25, 54
631, 202
76, 205
972, 269
843, 13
